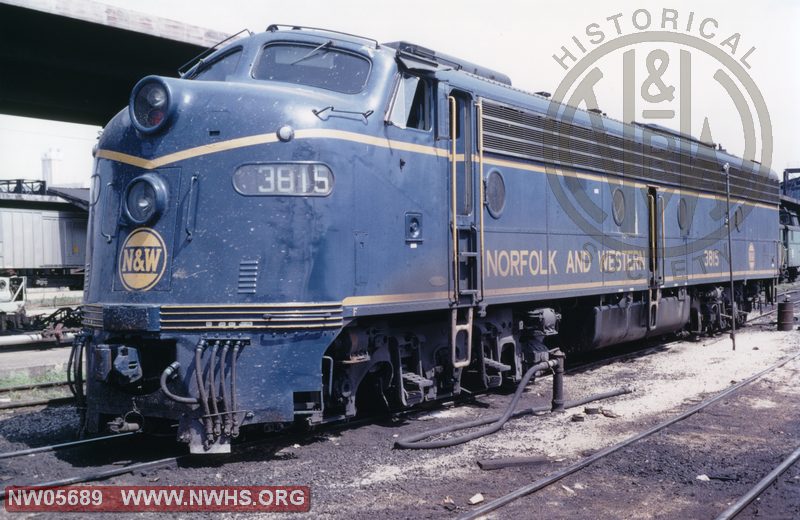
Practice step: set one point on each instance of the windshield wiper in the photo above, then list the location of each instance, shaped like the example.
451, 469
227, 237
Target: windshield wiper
312, 52
198, 60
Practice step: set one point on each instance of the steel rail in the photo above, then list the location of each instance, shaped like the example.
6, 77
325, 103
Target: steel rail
546, 481
32, 386
759, 488
63, 445
100, 475
37, 402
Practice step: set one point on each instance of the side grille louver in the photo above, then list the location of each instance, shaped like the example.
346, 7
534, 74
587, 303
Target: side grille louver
93, 316
287, 316
517, 133
248, 276
275, 317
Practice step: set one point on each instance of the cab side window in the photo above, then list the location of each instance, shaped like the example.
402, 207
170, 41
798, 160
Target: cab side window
411, 107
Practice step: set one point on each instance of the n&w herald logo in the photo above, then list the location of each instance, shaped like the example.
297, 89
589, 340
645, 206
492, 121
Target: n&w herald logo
142, 260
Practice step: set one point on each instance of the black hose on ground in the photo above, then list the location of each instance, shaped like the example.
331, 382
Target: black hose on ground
165, 375
497, 421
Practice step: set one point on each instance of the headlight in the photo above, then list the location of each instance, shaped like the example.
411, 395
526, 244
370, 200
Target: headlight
145, 199
150, 104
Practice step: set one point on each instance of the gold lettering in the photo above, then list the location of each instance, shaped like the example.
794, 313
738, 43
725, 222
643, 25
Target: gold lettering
503, 254
151, 259
586, 261
534, 267
491, 262
515, 263
127, 263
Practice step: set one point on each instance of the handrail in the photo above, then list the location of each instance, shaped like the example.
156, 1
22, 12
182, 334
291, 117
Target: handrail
481, 196
453, 201
108, 237
652, 242
189, 216
663, 239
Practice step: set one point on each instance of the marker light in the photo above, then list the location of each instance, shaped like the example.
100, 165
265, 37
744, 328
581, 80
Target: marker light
150, 104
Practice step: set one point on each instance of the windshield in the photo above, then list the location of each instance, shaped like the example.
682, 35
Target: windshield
313, 65
220, 69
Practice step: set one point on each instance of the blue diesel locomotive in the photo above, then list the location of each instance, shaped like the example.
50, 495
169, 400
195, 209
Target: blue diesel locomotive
309, 223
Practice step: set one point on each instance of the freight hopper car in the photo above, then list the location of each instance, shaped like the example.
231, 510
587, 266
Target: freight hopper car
308, 224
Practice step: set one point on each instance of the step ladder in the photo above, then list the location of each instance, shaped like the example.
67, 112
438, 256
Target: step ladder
467, 267
496, 365
415, 379
459, 324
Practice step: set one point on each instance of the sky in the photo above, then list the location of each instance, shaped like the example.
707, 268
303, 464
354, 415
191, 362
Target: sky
518, 38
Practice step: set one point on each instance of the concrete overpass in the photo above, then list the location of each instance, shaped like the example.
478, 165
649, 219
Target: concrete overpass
77, 60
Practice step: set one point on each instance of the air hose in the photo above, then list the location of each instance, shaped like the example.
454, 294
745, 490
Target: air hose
496, 422
165, 376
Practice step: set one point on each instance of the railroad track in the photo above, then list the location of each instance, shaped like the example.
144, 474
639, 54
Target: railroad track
33, 386
63, 445
106, 472
762, 485
52, 401
547, 481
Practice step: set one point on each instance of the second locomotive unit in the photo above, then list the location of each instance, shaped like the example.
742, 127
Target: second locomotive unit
307, 224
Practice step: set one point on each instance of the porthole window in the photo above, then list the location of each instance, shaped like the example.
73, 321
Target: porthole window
495, 193
683, 215
618, 206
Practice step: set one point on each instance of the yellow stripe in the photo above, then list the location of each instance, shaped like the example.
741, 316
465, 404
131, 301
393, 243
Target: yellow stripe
241, 142
394, 298
383, 142
189, 152
420, 297
125, 158
702, 276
